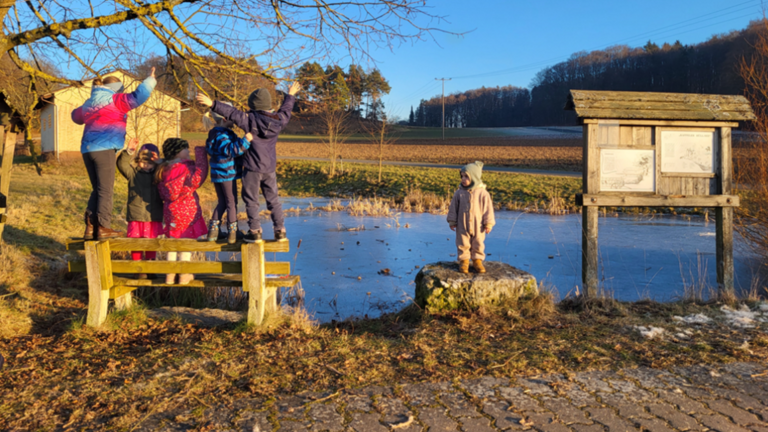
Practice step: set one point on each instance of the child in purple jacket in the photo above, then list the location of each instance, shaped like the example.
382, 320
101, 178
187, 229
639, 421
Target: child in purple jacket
260, 161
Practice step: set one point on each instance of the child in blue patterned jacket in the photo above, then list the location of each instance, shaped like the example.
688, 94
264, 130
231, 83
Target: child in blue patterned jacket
225, 149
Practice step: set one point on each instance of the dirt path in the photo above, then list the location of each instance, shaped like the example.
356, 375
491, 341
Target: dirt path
731, 397
433, 165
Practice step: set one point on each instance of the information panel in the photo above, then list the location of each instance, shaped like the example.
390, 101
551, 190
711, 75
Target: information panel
687, 152
627, 170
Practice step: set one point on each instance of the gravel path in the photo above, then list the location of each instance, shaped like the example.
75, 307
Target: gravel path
731, 398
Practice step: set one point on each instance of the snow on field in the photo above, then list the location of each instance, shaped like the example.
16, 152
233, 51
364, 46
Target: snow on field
650, 332
693, 319
744, 317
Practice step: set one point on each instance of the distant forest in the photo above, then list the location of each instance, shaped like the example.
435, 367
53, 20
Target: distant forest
709, 67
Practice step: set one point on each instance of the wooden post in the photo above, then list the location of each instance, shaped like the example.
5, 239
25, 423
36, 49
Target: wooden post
124, 302
7, 148
98, 264
254, 280
724, 219
590, 185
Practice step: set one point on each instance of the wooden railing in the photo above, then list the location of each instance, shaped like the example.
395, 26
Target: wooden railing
110, 279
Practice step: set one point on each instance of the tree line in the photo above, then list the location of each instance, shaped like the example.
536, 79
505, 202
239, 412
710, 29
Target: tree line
708, 67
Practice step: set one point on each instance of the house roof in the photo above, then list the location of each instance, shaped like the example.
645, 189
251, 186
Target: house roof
49, 97
658, 106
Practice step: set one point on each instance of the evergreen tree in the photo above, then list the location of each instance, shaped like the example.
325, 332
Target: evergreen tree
411, 118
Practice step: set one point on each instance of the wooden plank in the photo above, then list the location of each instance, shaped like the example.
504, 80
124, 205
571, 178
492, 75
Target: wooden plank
642, 136
591, 181
665, 123
589, 251
655, 96
7, 148
688, 175
657, 115
650, 105
726, 161
119, 290
97, 259
253, 281
620, 200
738, 108
196, 267
209, 281
724, 251
178, 245
660, 187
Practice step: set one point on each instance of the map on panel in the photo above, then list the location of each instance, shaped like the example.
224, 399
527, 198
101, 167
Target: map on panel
687, 152
627, 170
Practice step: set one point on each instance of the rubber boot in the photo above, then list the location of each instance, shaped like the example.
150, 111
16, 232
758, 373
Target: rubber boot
232, 235
88, 235
464, 266
213, 230
478, 266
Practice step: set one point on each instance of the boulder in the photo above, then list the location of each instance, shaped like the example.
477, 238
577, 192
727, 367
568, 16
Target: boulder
440, 287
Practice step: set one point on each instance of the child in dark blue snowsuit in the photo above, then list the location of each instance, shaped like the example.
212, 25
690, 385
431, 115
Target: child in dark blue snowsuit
225, 149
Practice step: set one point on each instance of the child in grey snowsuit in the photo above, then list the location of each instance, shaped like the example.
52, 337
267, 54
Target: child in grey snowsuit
471, 216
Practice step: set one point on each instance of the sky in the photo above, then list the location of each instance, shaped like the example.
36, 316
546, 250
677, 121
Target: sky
506, 42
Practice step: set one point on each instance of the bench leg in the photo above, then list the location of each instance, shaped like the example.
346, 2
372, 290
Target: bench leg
254, 280
98, 267
272, 299
124, 302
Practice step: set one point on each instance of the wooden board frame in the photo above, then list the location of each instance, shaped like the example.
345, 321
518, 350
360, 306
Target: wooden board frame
707, 190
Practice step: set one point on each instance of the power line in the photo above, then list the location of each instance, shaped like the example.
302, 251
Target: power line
642, 35
443, 80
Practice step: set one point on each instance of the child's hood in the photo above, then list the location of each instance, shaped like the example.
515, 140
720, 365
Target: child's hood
475, 172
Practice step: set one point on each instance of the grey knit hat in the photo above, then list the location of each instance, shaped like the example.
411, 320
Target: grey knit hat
260, 100
475, 173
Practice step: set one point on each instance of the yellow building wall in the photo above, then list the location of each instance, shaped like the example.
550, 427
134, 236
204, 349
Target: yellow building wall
153, 122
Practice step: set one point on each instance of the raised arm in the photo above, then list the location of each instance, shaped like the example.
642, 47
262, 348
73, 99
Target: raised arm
198, 175
124, 160
231, 113
285, 109
126, 102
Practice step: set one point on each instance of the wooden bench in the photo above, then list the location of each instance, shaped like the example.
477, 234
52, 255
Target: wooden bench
110, 279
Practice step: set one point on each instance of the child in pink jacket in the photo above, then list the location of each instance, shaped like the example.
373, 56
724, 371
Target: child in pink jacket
177, 180
471, 216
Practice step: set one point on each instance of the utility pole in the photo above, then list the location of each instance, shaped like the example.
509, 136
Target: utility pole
443, 80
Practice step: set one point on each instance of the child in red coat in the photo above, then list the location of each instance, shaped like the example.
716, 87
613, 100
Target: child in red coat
177, 180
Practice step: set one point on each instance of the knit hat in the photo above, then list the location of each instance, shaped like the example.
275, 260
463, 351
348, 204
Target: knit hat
145, 152
173, 146
260, 100
116, 87
475, 172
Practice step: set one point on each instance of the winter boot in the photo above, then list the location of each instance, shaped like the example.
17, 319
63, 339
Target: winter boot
186, 278
170, 278
102, 233
252, 236
478, 266
464, 266
280, 235
232, 237
213, 230
88, 226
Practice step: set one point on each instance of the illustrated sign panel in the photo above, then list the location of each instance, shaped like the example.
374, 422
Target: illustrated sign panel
627, 170
687, 152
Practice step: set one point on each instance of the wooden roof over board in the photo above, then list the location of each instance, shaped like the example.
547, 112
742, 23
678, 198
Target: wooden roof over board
658, 106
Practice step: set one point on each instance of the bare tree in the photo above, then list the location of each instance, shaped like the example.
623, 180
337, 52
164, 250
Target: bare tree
378, 132
334, 120
751, 167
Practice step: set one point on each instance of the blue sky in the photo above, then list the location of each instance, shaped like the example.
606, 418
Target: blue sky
519, 38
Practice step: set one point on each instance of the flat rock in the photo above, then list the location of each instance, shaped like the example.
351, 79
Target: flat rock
440, 287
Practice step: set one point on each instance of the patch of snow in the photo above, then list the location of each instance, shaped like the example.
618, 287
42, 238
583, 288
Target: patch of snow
650, 332
693, 319
743, 317
763, 307
707, 234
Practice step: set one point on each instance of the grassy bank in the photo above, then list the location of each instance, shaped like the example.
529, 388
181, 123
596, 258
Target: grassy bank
509, 191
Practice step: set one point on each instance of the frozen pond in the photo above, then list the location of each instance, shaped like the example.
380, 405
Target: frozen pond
641, 257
